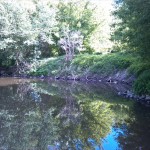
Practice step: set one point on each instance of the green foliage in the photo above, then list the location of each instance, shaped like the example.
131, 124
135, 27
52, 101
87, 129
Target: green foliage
72, 15
104, 64
77, 16
139, 67
15, 30
85, 60
132, 30
142, 84
85, 64
133, 26
28, 31
44, 25
112, 63
23, 32
48, 67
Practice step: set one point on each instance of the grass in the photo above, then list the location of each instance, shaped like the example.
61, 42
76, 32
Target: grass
102, 65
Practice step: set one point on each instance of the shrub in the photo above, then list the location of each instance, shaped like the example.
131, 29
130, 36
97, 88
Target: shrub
142, 84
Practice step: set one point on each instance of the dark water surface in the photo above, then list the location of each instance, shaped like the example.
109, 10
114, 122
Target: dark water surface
56, 115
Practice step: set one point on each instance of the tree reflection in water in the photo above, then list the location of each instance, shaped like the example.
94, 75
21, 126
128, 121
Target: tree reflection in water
41, 116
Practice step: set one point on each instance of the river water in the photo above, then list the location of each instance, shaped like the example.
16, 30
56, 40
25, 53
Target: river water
58, 115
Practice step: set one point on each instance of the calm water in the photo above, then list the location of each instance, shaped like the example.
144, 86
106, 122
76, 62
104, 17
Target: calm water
42, 115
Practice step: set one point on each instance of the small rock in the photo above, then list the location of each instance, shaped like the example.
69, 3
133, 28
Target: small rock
147, 97
119, 93
109, 80
57, 78
63, 78
142, 97
77, 79
129, 94
41, 76
135, 96
69, 78
124, 93
115, 82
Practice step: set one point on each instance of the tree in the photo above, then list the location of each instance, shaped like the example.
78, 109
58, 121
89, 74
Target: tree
133, 27
77, 16
71, 42
45, 24
22, 32
15, 31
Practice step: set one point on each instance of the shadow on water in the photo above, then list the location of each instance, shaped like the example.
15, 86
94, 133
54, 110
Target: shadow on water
42, 115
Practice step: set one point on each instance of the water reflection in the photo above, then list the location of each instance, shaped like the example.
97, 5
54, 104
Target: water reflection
38, 115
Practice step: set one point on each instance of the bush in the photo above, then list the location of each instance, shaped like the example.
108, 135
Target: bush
97, 64
112, 62
138, 67
142, 84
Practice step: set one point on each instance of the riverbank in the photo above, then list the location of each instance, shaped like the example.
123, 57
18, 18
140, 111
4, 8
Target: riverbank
114, 68
119, 67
